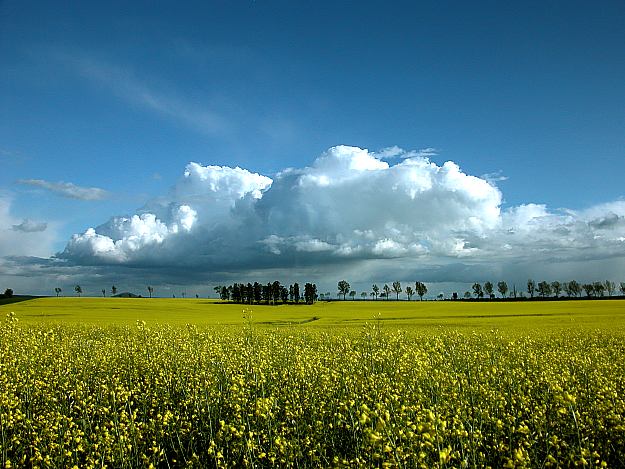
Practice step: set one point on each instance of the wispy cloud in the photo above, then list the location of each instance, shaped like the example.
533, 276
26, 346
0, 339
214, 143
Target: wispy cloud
494, 177
398, 152
126, 85
9, 155
29, 226
67, 189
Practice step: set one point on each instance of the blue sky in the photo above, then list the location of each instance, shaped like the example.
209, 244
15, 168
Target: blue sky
121, 96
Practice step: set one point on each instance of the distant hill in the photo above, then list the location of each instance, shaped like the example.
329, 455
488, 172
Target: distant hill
127, 294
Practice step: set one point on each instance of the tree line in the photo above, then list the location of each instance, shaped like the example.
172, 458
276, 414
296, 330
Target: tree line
544, 289
420, 289
78, 290
275, 292
270, 293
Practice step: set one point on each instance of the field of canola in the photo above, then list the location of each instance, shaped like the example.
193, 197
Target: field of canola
545, 389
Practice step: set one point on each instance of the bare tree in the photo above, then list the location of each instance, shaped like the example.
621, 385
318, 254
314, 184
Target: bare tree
622, 288
150, 290
531, 287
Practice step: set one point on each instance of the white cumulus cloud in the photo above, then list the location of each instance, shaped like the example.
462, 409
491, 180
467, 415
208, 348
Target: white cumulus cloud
351, 206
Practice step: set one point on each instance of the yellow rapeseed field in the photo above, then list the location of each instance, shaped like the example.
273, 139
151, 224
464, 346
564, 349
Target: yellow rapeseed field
542, 386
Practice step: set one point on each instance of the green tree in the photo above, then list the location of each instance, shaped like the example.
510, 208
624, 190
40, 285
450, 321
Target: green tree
104, 292
150, 290
78, 289
387, 291
574, 288
610, 287
599, 288
622, 288
352, 294
544, 289
363, 295
113, 290
58, 291
566, 288
589, 288
477, 290
409, 292
310, 293
556, 287
531, 287
488, 289
296, 295
257, 292
421, 289
376, 290
276, 290
8, 293
343, 287
397, 289
502, 287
